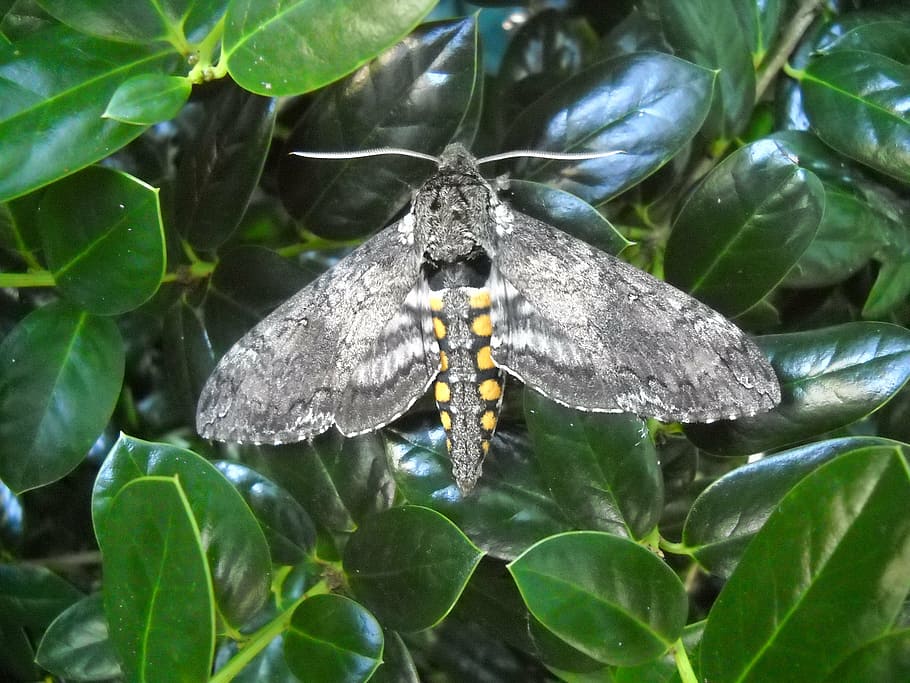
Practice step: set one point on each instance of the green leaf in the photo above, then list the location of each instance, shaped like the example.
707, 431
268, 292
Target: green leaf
397, 665
157, 587
139, 22
61, 371
225, 149
613, 600
647, 105
508, 511
409, 565
811, 585
602, 469
188, 358
235, 546
332, 638
761, 23
883, 659
54, 86
288, 528
77, 645
269, 665
723, 48
891, 289
31, 597
259, 35
417, 96
857, 104
338, 481
568, 213
104, 240
829, 378
754, 214
148, 98
728, 514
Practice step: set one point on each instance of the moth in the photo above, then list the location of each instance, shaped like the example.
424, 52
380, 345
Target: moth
460, 293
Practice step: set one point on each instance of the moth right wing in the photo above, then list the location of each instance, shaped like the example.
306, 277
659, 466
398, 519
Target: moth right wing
593, 332
286, 380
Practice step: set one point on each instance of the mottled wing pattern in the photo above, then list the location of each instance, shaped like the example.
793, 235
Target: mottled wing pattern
395, 371
593, 332
283, 381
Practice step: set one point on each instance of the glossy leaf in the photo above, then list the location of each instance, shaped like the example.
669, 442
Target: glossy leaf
756, 212
857, 105
409, 565
339, 481
761, 23
332, 638
602, 469
613, 600
566, 212
138, 21
829, 378
507, 512
54, 86
189, 359
883, 659
397, 665
723, 47
103, 237
799, 600
223, 160
61, 371
891, 289
259, 36
287, 526
31, 597
416, 95
157, 587
728, 514
269, 665
647, 105
148, 98
77, 644
233, 543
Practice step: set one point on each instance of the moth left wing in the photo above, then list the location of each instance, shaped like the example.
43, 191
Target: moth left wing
286, 380
593, 332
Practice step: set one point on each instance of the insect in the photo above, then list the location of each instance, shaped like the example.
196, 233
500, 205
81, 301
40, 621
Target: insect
460, 293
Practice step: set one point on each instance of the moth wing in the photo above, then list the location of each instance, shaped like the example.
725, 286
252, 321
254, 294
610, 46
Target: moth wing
283, 380
593, 332
395, 371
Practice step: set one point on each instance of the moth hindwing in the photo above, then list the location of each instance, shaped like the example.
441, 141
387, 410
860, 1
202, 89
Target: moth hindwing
459, 293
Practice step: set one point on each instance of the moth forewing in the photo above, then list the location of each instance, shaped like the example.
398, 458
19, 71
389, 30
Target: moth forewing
462, 289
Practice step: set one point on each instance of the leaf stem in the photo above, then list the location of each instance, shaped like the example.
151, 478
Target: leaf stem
675, 548
683, 665
802, 19
204, 70
260, 639
39, 278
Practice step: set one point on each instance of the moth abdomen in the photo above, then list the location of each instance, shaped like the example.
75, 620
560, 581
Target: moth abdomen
469, 386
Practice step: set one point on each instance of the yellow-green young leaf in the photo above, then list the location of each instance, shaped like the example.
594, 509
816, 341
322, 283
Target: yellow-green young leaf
104, 239
157, 587
148, 98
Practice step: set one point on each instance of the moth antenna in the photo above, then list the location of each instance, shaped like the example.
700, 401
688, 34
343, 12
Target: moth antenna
375, 152
556, 156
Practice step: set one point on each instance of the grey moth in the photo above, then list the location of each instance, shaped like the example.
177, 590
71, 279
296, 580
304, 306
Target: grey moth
459, 294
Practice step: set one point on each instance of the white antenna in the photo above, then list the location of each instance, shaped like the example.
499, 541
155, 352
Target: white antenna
556, 156
378, 151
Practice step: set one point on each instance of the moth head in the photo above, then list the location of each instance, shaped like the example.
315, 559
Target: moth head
452, 209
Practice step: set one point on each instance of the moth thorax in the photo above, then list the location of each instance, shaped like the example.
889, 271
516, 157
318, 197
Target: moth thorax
452, 220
